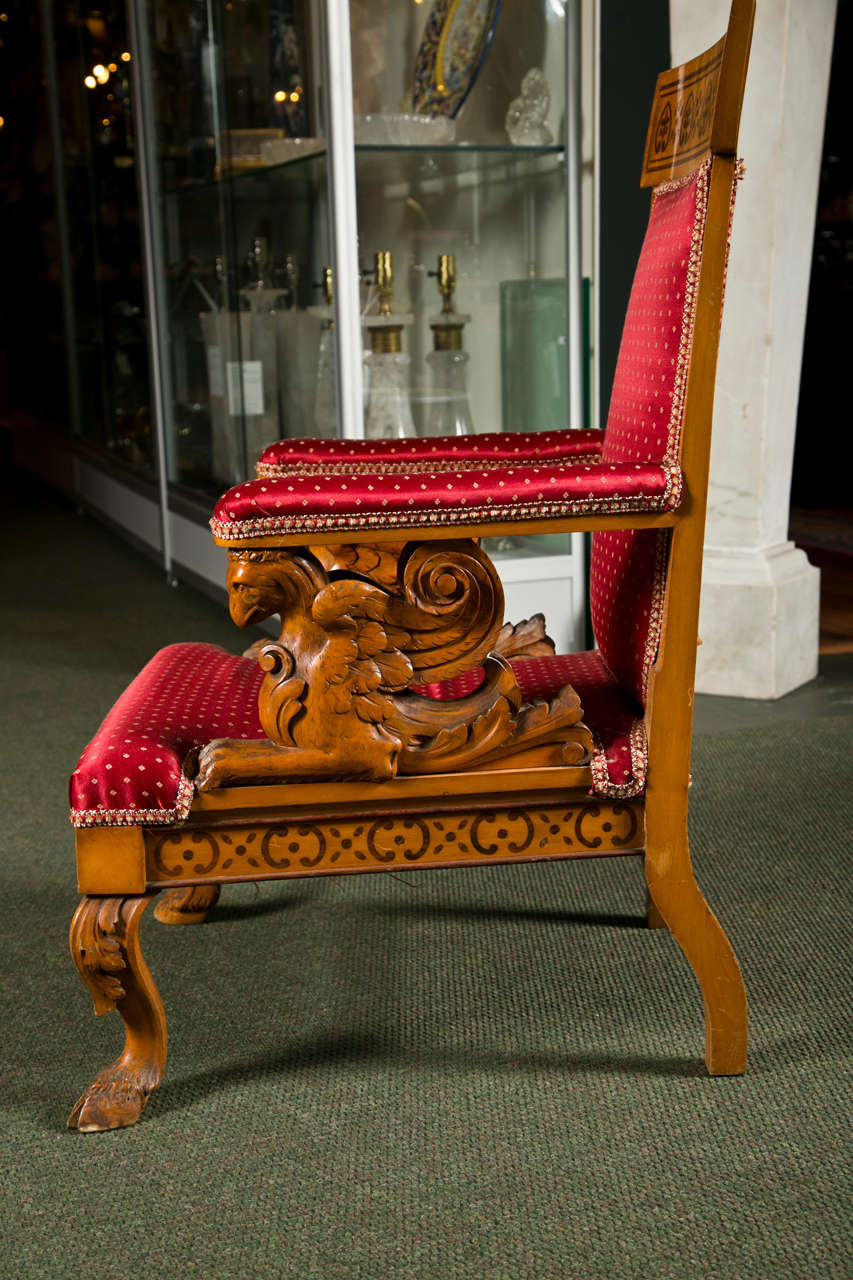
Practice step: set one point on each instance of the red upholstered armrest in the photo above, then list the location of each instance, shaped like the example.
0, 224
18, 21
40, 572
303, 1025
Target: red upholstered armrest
348, 501
440, 453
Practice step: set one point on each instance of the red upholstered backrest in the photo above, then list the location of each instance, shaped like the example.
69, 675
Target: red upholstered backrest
628, 567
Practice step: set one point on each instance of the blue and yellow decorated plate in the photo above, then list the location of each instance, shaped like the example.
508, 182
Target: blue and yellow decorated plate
456, 37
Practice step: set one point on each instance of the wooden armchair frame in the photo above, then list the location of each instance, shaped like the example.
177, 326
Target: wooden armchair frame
487, 778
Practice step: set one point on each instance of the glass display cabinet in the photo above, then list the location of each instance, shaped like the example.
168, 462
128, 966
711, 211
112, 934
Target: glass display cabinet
364, 217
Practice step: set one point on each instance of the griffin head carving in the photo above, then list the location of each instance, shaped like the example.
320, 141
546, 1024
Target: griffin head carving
263, 583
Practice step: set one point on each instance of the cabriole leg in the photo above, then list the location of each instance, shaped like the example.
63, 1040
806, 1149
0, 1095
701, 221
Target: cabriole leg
106, 949
187, 906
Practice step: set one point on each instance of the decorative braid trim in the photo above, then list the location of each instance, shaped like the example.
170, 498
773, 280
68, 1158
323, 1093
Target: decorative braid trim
639, 764
694, 263
276, 470
675, 184
613, 504
139, 817
740, 174
656, 608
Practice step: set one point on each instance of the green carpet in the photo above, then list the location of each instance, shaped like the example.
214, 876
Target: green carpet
493, 1074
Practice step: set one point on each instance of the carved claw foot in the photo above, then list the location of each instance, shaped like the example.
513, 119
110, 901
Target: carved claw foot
105, 948
187, 906
114, 1099
226, 762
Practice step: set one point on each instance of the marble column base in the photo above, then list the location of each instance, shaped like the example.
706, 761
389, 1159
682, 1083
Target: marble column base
759, 621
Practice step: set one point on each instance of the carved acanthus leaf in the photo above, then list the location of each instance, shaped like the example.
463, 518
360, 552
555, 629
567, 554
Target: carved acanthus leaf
526, 639
98, 937
557, 723
96, 945
488, 725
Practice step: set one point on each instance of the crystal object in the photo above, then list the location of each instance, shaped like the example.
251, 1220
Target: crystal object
525, 120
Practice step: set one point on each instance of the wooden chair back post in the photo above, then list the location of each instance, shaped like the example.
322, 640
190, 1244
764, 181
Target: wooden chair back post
717, 77
716, 81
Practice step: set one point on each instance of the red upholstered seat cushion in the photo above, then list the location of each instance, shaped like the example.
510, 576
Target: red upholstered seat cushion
323, 503
615, 721
131, 772
440, 453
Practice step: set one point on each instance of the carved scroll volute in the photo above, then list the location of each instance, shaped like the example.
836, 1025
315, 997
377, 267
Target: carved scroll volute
281, 695
454, 607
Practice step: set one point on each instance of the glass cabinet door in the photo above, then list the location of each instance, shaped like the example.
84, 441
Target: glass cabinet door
97, 237
459, 108
241, 171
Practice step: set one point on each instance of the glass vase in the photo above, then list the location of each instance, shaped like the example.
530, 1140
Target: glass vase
389, 412
448, 409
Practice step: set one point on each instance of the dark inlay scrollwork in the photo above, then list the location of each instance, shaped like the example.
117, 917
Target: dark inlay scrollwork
663, 128
400, 841
502, 833
588, 811
629, 812
184, 848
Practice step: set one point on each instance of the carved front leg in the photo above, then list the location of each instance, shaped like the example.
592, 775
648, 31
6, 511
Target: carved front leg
106, 950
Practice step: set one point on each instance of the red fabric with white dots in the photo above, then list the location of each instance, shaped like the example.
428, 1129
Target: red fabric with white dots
494, 448
628, 567
616, 723
131, 772
348, 502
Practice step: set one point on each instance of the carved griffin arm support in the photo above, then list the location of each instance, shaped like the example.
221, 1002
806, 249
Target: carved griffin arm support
336, 701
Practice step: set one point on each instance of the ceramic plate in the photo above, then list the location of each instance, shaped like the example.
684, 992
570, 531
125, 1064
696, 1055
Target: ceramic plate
456, 37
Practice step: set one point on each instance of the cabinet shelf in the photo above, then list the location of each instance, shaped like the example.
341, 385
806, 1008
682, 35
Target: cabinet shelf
382, 164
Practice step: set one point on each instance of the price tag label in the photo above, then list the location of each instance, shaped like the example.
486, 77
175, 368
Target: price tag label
245, 387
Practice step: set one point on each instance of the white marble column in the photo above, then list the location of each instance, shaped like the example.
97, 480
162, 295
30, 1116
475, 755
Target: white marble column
759, 618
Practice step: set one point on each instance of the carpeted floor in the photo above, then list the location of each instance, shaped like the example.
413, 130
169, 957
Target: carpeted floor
494, 1074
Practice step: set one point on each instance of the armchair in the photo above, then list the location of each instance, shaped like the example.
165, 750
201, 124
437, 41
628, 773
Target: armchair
397, 721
